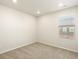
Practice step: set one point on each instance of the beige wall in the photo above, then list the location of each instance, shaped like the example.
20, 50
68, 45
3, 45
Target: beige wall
16, 29
19, 29
48, 29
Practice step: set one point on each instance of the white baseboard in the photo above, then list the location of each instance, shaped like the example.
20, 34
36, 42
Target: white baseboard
16, 47
58, 47
38, 42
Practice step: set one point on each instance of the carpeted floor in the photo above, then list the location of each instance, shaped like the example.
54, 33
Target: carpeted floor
39, 51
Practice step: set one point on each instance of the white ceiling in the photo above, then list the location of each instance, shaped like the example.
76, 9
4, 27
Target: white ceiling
44, 6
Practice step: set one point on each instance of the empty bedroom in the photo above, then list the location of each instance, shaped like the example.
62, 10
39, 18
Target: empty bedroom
38, 29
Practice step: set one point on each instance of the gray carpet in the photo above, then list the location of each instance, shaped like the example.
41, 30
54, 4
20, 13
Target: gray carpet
39, 51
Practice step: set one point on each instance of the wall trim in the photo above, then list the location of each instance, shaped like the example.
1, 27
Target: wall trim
40, 43
16, 47
58, 47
